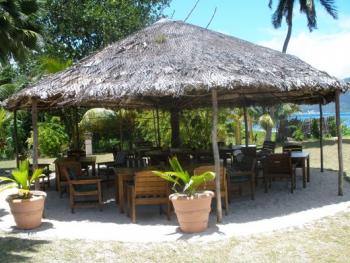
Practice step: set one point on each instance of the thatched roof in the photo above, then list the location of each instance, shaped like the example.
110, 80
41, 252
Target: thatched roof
175, 64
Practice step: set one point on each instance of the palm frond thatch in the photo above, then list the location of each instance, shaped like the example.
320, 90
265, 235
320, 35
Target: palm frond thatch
175, 64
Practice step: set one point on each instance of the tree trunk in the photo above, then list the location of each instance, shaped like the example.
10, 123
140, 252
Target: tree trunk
286, 41
268, 136
175, 128
246, 131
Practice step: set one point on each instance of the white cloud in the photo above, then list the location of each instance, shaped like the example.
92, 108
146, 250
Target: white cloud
328, 52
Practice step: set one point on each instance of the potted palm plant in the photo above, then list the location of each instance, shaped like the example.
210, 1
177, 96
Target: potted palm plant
192, 206
26, 205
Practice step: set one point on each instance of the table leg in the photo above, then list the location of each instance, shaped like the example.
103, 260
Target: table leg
121, 193
116, 189
304, 173
308, 169
94, 169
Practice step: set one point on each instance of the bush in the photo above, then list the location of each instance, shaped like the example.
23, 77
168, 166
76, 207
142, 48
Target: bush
53, 139
332, 126
315, 130
298, 134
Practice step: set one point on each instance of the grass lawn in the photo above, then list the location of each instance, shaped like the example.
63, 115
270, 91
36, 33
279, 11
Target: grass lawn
326, 241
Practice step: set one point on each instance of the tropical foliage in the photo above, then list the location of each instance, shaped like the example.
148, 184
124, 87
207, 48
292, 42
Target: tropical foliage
180, 178
73, 35
53, 140
18, 30
23, 179
285, 9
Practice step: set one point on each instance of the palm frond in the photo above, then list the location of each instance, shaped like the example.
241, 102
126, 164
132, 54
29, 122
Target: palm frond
330, 7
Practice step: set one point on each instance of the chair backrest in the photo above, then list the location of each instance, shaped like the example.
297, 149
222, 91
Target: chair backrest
278, 163
244, 163
120, 158
269, 146
211, 184
292, 148
69, 169
147, 184
76, 153
249, 151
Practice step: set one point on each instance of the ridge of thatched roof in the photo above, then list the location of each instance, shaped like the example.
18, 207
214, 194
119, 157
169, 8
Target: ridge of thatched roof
175, 64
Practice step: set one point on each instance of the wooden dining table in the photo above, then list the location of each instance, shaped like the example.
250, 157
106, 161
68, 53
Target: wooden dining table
304, 159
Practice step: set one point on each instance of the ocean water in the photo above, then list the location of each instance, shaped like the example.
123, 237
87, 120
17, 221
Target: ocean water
344, 116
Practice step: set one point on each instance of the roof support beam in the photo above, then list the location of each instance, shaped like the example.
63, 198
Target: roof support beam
340, 143
246, 127
15, 137
35, 138
216, 155
321, 136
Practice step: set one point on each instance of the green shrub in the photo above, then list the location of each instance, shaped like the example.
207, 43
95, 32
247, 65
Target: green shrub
298, 134
53, 140
315, 130
332, 126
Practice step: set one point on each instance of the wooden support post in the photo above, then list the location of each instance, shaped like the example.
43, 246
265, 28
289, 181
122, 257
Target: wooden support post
155, 127
35, 138
216, 155
121, 129
158, 128
15, 137
175, 127
321, 136
77, 135
246, 127
340, 143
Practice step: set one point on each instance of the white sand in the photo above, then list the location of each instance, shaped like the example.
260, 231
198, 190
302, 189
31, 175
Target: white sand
275, 210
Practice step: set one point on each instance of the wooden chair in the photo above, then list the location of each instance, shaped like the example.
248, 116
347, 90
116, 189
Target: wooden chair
148, 189
243, 172
81, 186
287, 148
267, 148
277, 167
61, 182
212, 186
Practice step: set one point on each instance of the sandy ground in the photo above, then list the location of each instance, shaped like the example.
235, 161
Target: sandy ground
275, 210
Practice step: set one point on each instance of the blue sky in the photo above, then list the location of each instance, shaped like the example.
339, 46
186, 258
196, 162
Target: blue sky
326, 48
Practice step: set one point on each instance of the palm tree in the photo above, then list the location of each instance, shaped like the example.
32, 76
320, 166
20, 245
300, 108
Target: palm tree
285, 9
18, 32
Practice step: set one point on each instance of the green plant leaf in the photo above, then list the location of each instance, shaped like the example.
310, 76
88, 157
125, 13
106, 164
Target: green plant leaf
6, 179
36, 175
198, 180
21, 175
168, 176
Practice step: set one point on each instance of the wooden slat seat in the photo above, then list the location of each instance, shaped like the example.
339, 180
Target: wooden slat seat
148, 189
211, 184
81, 186
279, 167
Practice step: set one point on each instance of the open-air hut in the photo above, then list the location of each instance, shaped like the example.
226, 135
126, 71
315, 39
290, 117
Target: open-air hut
174, 65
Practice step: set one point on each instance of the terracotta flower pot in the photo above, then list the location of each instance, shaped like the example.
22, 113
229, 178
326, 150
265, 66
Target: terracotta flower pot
192, 212
27, 212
